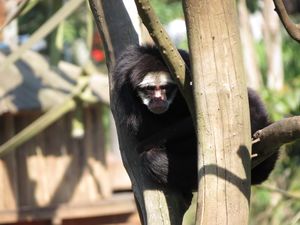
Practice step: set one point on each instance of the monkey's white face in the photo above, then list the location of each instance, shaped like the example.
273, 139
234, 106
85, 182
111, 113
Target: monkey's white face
157, 91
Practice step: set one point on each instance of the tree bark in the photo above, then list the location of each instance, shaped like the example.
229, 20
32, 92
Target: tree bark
269, 139
222, 112
292, 28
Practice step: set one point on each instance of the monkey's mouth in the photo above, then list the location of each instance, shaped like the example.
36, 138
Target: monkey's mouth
158, 106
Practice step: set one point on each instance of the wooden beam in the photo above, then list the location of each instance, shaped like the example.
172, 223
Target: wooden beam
122, 203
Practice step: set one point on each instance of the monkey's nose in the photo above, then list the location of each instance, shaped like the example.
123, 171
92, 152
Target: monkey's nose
157, 94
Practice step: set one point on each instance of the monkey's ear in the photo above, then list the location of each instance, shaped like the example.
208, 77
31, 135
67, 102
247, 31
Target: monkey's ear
127, 106
127, 102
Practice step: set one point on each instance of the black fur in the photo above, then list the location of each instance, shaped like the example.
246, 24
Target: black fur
169, 161
259, 120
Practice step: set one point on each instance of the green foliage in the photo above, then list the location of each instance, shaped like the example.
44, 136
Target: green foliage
74, 26
260, 200
290, 57
262, 56
291, 62
31, 21
282, 104
252, 5
270, 207
287, 101
167, 10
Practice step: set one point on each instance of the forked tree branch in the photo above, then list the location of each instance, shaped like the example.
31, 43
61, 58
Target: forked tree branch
292, 28
270, 138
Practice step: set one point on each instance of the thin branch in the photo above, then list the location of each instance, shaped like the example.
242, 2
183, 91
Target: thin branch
269, 139
168, 50
292, 28
43, 31
284, 193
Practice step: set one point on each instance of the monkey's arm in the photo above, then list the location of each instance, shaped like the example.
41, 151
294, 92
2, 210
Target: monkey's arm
175, 131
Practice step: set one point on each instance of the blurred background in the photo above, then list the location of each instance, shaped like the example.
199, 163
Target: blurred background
63, 164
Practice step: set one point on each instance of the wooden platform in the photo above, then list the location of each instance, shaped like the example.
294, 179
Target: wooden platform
118, 204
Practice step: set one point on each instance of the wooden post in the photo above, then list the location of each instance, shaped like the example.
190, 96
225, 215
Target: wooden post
222, 112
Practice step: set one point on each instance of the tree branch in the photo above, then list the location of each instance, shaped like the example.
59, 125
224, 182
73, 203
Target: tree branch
292, 28
169, 52
270, 138
284, 193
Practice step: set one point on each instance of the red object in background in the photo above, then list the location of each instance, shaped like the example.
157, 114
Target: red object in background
98, 55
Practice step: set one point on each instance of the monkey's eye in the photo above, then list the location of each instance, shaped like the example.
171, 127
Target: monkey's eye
149, 88
146, 89
169, 87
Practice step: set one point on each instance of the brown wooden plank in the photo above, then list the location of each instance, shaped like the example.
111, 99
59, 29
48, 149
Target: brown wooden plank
98, 133
99, 151
121, 219
96, 172
58, 160
8, 170
25, 154
75, 146
121, 203
53, 168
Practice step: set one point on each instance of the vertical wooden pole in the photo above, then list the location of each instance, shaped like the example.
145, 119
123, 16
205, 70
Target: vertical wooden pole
222, 112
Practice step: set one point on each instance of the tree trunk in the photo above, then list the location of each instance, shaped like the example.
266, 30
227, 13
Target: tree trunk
272, 38
254, 78
222, 112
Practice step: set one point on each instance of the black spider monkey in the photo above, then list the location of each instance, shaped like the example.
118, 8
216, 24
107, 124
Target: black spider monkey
148, 101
